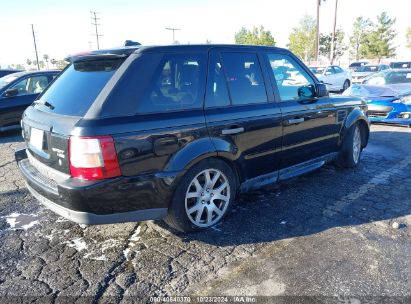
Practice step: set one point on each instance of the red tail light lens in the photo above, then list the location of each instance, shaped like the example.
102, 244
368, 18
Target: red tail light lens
93, 158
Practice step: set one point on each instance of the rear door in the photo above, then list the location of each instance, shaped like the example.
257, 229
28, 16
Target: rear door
241, 115
29, 88
309, 123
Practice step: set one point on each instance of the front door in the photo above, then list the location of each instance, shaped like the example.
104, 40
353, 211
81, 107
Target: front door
309, 123
242, 118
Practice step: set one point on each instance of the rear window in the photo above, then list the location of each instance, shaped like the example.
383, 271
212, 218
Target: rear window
75, 90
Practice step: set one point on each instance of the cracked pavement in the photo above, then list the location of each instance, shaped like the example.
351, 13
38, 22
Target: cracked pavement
326, 233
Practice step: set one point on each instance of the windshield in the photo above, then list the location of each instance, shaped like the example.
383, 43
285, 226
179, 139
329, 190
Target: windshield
368, 68
6, 80
74, 91
390, 78
400, 65
317, 70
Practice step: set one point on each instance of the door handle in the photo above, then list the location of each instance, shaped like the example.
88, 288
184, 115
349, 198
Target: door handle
294, 121
232, 131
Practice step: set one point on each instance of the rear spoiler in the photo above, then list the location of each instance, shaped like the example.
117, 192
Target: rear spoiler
117, 53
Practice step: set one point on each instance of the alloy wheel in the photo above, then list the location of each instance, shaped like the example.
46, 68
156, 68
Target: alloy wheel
356, 145
207, 198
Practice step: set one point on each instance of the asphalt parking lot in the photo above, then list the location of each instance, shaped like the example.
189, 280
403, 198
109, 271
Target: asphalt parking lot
333, 232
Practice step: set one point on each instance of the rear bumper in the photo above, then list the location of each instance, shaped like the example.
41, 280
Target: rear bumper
117, 200
95, 219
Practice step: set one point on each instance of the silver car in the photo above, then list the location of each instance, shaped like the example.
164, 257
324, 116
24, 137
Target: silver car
363, 72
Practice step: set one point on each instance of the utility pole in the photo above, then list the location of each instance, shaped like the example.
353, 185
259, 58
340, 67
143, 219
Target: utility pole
317, 31
94, 17
35, 47
333, 36
173, 29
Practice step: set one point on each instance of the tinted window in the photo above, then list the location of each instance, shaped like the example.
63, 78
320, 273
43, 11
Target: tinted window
74, 91
177, 84
292, 80
217, 93
244, 78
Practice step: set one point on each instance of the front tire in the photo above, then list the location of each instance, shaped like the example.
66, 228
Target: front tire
346, 85
350, 153
203, 196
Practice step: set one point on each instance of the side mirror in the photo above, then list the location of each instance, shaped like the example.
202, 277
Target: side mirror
306, 91
11, 93
321, 90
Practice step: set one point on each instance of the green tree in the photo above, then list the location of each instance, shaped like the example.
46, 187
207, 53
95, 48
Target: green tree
29, 62
408, 37
53, 62
256, 36
19, 66
379, 41
61, 64
302, 38
339, 48
358, 39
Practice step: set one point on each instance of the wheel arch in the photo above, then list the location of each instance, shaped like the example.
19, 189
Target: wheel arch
357, 116
203, 149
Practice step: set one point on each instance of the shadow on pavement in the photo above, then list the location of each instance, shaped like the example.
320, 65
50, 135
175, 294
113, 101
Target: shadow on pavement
378, 189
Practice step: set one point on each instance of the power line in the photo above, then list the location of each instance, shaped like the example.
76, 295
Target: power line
174, 30
94, 17
35, 47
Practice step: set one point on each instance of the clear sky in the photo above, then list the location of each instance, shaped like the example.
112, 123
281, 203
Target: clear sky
64, 27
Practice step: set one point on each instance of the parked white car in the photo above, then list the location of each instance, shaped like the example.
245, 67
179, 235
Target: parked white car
336, 78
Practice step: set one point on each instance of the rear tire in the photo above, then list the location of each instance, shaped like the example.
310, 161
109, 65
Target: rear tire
350, 153
203, 196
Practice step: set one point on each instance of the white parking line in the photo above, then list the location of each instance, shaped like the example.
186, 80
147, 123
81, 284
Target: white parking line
379, 179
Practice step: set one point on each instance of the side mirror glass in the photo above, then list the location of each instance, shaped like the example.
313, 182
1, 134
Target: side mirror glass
307, 91
321, 90
11, 92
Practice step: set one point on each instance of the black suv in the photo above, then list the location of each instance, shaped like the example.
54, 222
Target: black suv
175, 132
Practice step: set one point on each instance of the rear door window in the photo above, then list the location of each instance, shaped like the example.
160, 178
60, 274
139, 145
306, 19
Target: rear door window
178, 84
75, 90
244, 78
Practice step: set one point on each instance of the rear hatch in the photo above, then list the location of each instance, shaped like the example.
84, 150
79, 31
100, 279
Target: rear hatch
49, 121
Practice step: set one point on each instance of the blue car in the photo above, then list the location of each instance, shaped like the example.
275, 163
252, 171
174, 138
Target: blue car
17, 92
388, 95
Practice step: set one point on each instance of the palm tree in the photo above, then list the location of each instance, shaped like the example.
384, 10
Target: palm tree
53, 62
46, 58
29, 62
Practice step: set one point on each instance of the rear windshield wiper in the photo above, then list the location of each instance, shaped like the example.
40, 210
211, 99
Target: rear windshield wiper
44, 103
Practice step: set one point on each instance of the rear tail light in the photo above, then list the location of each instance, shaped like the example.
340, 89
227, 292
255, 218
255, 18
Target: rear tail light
93, 158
